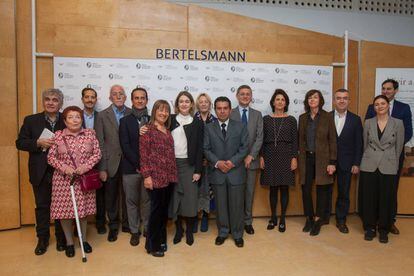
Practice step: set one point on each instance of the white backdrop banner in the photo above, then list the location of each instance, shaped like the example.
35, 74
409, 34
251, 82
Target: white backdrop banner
163, 79
405, 78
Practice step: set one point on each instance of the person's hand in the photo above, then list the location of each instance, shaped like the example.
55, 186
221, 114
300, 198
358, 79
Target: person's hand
103, 176
331, 169
81, 170
45, 143
148, 184
143, 130
196, 177
230, 164
247, 161
69, 171
222, 166
293, 164
355, 170
262, 163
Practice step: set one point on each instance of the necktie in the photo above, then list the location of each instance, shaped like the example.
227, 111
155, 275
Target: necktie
223, 129
244, 116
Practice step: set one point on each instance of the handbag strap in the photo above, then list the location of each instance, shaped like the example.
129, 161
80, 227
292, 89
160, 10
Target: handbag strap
69, 152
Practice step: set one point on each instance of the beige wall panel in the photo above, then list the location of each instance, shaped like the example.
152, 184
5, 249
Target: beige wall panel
86, 41
9, 184
153, 15
27, 202
380, 55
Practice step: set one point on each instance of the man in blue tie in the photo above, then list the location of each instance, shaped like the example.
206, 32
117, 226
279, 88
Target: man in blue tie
253, 120
400, 111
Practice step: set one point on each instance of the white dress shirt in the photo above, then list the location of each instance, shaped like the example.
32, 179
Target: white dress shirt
339, 121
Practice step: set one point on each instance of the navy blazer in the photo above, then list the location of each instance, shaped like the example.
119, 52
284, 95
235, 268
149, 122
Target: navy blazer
33, 126
350, 143
129, 140
400, 111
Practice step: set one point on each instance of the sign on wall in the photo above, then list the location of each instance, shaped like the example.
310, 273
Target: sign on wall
163, 79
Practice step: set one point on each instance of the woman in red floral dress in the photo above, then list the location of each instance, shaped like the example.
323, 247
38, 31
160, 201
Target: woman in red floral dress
84, 148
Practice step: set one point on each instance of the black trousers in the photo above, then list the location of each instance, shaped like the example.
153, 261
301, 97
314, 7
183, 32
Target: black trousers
100, 207
323, 193
43, 199
342, 200
113, 192
378, 193
157, 222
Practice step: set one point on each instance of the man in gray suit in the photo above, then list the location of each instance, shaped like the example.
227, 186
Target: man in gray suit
225, 147
254, 122
106, 128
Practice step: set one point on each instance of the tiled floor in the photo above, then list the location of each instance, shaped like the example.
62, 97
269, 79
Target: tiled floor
264, 253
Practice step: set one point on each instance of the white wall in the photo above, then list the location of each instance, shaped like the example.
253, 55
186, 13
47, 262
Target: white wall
362, 26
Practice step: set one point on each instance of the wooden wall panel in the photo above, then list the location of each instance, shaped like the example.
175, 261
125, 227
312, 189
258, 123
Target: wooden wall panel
380, 55
134, 29
9, 182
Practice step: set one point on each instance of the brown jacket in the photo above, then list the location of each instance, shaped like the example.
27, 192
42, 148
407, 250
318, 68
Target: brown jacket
325, 147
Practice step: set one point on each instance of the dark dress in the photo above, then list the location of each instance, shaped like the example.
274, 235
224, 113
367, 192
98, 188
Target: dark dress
278, 154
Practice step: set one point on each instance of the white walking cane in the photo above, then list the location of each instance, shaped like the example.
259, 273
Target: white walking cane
75, 208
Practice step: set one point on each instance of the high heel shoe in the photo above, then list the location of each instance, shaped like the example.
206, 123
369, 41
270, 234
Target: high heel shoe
70, 251
282, 226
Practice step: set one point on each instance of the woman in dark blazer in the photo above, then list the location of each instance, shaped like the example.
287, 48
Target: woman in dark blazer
383, 143
317, 159
188, 147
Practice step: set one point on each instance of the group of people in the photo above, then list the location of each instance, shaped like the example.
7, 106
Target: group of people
155, 166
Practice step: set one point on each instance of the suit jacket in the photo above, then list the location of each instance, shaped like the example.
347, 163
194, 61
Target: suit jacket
95, 118
194, 133
382, 154
400, 111
255, 130
325, 147
33, 126
129, 139
349, 143
107, 133
234, 147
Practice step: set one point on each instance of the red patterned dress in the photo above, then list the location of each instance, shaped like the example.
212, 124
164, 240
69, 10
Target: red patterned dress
84, 148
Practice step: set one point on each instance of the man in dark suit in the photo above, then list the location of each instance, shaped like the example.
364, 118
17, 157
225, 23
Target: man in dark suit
136, 196
225, 147
400, 111
106, 127
253, 120
349, 153
90, 116
40, 172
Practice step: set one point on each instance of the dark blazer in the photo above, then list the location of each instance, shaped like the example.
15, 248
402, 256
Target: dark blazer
234, 147
195, 134
95, 118
349, 143
400, 111
129, 139
325, 143
32, 127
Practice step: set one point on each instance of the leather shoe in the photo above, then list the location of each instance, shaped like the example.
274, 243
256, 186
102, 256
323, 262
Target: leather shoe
87, 247
342, 228
249, 229
126, 229
70, 251
271, 225
282, 227
308, 225
239, 242
383, 237
220, 240
189, 238
163, 247
112, 235
41, 247
369, 235
394, 230
134, 241
316, 228
101, 229
178, 236
157, 253
60, 245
